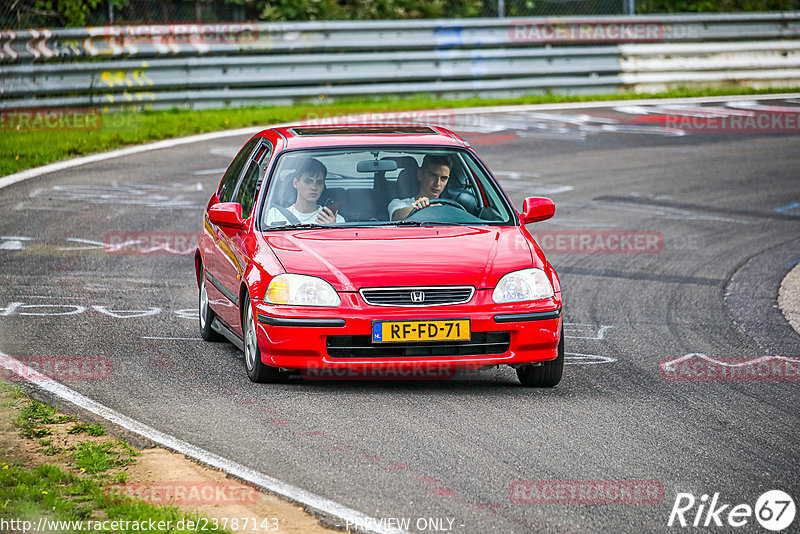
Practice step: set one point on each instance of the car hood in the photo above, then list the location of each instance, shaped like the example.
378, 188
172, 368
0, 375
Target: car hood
355, 258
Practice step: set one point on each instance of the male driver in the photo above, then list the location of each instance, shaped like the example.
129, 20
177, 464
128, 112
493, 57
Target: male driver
309, 181
432, 177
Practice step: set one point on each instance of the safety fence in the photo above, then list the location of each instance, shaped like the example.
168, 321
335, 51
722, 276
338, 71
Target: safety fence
216, 65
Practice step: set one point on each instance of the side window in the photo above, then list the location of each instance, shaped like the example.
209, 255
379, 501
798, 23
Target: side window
248, 188
228, 184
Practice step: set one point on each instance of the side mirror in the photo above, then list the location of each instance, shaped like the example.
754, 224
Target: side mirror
536, 209
227, 215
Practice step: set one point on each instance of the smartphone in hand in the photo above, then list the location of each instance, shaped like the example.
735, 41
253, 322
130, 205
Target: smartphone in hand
332, 205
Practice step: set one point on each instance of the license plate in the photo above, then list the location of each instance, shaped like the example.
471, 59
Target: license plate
403, 331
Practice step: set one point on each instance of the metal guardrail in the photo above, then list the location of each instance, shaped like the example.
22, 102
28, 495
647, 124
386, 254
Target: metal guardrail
235, 64
653, 68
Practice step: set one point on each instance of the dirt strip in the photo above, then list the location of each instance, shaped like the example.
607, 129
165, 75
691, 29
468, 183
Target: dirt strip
789, 297
162, 477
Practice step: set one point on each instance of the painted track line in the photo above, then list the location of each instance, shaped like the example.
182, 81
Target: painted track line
273, 485
614, 103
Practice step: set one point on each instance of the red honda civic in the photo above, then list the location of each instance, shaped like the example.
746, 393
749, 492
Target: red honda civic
375, 249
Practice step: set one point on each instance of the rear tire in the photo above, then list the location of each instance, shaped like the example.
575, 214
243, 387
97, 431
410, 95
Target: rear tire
206, 314
546, 375
257, 371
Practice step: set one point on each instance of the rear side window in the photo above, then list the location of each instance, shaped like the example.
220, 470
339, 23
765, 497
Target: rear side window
248, 189
228, 184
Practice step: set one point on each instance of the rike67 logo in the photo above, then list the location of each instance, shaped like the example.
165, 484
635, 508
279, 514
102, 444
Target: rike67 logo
774, 510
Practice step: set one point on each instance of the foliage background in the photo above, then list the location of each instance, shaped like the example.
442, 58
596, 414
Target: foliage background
59, 13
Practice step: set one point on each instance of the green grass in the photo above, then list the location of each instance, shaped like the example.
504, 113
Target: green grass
34, 417
88, 428
48, 491
21, 149
97, 457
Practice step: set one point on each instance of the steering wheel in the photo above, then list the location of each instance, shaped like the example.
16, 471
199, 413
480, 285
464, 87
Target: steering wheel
445, 201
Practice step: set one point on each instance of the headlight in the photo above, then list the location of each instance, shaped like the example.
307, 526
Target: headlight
527, 284
301, 290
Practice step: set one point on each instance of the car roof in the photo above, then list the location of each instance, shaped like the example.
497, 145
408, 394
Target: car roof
315, 136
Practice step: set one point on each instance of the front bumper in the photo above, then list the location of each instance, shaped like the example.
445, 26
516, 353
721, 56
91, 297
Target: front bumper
301, 337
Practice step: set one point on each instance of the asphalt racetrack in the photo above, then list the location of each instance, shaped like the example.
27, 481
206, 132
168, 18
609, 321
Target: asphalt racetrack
718, 215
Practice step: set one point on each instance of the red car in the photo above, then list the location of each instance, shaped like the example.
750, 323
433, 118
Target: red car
375, 248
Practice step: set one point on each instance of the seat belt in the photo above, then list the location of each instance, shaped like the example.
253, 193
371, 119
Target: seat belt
290, 218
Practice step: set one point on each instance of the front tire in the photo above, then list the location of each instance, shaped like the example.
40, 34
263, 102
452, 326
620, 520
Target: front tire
257, 371
546, 375
206, 314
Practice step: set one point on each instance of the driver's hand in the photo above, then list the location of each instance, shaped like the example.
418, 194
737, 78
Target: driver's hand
326, 216
421, 202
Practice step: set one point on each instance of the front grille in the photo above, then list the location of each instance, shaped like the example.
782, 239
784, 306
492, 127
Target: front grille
480, 343
417, 296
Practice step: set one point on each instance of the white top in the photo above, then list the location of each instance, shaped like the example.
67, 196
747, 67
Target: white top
274, 216
398, 203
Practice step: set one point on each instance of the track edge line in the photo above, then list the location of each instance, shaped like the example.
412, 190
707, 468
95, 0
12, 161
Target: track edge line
320, 506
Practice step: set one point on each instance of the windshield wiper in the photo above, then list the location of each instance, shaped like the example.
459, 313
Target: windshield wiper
424, 223
299, 226
401, 223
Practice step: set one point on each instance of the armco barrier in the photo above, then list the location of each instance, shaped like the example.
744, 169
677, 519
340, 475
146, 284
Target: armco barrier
213, 65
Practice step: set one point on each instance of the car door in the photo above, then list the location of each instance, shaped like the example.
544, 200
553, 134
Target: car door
231, 258
209, 243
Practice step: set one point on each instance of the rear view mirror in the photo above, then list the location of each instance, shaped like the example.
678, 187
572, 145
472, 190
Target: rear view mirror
227, 215
377, 165
536, 209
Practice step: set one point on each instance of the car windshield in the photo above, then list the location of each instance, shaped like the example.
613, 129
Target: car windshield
376, 186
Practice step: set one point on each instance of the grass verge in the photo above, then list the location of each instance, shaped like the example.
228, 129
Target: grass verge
20, 149
76, 484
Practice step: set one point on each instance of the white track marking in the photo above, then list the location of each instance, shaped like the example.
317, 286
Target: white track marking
121, 248
755, 106
597, 331
576, 358
13, 242
683, 111
90, 244
126, 314
614, 103
273, 485
704, 111
702, 356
